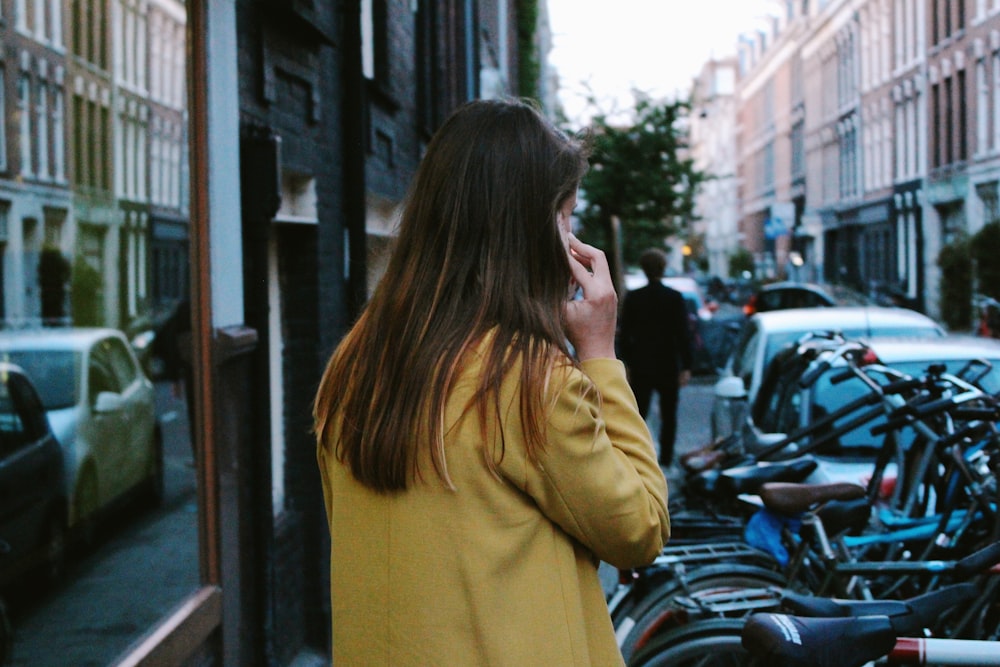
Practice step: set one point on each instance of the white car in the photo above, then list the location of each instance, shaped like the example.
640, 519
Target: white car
784, 407
688, 287
765, 334
101, 407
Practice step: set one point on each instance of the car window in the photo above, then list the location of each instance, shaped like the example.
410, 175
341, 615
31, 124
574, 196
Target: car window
827, 398
905, 331
810, 299
769, 300
122, 366
989, 382
746, 350
787, 419
769, 406
100, 377
778, 341
52, 372
13, 429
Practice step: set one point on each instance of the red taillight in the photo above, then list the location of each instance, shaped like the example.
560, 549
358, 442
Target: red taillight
869, 357
750, 307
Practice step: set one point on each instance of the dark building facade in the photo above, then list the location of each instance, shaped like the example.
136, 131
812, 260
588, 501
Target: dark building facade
319, 134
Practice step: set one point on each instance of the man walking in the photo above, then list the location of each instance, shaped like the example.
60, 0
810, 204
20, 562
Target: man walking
655, 345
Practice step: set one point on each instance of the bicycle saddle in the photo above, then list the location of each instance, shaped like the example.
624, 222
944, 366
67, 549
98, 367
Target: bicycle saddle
907, 617
780, 639
749, 479
792, 498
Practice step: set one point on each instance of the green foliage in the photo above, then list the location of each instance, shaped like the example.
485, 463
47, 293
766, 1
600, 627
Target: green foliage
641, 175
741, 260
87, 294
955, 261
529, 67
985, 249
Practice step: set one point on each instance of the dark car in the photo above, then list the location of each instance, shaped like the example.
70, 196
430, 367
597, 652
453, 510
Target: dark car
784, 295
32, 497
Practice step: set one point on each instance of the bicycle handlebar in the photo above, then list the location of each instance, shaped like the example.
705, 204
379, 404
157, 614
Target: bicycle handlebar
979, 561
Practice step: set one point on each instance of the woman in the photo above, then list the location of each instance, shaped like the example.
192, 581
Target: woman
474, 473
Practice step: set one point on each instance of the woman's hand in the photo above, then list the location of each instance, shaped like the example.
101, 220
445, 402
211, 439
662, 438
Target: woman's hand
591, 321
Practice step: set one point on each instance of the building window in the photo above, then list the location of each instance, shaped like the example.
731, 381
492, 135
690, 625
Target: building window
3, 126
21, 16
374, 41
55, 25
963, 117
41, 34
42, 115
59, 134
913, 137
24, 110
949, 121
982, 108
901, 142
996, 101
899, 38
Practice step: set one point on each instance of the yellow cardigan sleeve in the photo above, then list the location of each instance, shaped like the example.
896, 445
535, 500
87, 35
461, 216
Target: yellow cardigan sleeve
597, 476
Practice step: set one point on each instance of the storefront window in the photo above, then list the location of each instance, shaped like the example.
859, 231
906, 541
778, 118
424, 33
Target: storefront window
99, 517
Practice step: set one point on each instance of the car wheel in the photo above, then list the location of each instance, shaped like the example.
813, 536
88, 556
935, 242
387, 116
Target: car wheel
54, 554
86, 505
152, 490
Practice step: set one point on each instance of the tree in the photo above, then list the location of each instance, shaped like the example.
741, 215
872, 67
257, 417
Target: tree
955, 261
740, 262
985, 248
641, 177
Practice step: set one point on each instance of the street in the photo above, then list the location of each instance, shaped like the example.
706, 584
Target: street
143, 565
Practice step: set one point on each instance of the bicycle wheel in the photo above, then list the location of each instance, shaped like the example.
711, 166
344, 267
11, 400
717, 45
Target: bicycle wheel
708, 643
654, 614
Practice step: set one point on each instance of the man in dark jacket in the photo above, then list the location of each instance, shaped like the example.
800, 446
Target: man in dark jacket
656, 347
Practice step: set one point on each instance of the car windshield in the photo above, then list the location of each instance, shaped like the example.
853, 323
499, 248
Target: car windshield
52, 373
827, 398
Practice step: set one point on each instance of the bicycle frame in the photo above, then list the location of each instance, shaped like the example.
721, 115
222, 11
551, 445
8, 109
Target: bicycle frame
932, 651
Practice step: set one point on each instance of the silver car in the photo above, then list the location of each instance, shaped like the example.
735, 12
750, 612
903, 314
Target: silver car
101, 407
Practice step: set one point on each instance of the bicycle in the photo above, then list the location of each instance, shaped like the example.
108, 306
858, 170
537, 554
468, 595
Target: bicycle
852, 636
721, 641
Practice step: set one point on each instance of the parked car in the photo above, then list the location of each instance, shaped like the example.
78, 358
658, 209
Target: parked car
100, 405
791, 294
700, 311
764, 334
32, 496
783, 407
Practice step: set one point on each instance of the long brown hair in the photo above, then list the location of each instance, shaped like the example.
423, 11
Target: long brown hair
478, 252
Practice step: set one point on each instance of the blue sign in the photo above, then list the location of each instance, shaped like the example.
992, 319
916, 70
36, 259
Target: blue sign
774, 227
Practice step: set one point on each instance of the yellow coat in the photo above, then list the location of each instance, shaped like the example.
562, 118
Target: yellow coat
499, 571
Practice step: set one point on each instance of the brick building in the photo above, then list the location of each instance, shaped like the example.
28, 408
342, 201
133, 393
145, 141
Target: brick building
247, 158
900, 108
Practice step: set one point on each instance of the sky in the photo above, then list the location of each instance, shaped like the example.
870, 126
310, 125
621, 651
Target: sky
656, 46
